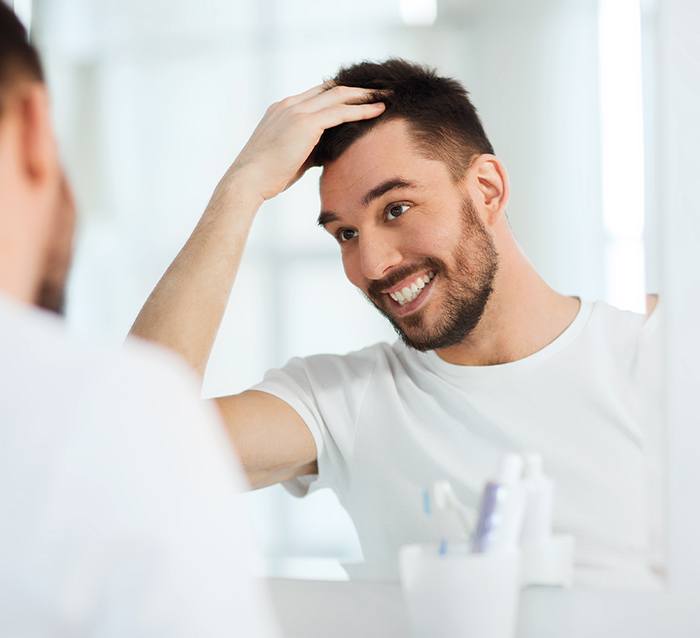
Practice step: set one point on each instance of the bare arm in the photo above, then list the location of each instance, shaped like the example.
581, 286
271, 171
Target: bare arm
185, 309
272, 440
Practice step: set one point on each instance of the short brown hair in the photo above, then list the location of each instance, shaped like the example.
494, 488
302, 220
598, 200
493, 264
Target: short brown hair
443, 120
18, 57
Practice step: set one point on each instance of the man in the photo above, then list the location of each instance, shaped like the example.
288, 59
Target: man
490, 358
117, 487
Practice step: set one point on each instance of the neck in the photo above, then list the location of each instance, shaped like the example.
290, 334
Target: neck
523, 315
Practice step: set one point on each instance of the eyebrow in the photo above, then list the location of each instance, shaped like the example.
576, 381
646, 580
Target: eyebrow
328, 216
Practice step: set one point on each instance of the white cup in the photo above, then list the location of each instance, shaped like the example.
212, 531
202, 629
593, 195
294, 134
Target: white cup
457, 594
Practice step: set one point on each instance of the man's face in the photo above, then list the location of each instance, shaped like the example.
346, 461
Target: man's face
38, 212
411, 239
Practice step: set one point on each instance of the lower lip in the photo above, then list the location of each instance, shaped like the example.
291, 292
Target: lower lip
412, 306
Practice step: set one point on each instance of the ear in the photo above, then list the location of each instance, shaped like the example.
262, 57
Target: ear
38, 152
488, 187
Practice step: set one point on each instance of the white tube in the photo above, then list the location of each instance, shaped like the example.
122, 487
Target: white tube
500, 519
539, 495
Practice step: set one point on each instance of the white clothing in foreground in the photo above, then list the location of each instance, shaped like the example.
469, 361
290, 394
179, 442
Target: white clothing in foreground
388, 421
118, 512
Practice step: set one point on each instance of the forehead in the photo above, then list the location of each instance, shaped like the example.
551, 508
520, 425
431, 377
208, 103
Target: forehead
385, 152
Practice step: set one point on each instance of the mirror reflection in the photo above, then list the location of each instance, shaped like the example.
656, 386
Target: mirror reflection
448, 261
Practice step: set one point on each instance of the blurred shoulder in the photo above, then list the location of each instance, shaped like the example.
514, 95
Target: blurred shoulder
38, 352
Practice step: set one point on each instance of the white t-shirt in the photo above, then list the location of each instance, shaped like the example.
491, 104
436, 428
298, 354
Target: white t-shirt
389, 421
118, 507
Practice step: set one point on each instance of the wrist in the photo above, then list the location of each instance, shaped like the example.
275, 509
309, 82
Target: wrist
238, 185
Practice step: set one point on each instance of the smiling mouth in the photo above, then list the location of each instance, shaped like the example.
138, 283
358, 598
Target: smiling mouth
411, 291
411, 296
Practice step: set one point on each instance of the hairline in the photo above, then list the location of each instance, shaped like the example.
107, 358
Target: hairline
456, 170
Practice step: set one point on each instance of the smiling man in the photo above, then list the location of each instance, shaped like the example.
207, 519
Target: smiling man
490, 358
461, 274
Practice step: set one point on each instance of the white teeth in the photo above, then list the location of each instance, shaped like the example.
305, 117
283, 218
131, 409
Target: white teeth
409, 293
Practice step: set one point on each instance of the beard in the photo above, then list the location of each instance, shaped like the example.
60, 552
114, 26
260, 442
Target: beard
51, 291
51, 295
466, 289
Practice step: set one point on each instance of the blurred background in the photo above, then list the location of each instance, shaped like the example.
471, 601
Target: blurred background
153, 100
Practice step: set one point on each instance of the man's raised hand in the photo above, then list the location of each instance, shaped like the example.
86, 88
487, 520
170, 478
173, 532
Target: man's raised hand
275, 156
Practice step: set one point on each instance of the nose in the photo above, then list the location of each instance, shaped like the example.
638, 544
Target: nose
377, 255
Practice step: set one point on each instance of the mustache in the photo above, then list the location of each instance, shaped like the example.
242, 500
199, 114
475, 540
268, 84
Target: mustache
429, 263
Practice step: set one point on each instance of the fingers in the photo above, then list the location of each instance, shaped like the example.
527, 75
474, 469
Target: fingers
323, 96
336, 96
301, 97
334, 116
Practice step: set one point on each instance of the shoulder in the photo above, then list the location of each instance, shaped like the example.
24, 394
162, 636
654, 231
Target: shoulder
135, 381
612, 323
147, 366
622, 333
325, 369
38, 345
140, 415
114, 411
124, 464
326, 383
87, 388
142, 391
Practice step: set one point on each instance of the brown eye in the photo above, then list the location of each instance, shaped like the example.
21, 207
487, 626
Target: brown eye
395, 210
346, 234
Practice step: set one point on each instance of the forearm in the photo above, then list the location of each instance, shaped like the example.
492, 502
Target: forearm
184, 310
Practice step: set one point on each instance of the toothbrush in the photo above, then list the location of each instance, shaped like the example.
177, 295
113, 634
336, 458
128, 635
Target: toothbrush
445, 499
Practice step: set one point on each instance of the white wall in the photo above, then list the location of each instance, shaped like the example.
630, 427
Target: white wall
534, 78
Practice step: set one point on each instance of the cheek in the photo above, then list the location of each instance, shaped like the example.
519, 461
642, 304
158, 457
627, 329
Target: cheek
431, 243
433, 232
351, 267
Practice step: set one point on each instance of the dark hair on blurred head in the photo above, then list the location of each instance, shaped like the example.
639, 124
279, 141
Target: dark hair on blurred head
443, 122
18, 58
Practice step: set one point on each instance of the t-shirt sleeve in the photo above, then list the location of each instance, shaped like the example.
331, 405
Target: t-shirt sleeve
327, 392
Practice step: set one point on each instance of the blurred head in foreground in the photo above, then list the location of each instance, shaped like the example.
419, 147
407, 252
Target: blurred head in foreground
37, 215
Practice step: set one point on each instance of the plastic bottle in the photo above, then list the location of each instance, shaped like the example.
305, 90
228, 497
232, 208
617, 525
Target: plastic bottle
499, 523
546, 558
539, 495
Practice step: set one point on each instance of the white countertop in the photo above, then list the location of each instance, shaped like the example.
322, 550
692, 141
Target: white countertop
310, 608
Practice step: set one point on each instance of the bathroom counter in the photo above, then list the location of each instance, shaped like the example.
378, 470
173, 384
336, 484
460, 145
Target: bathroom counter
310, 608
